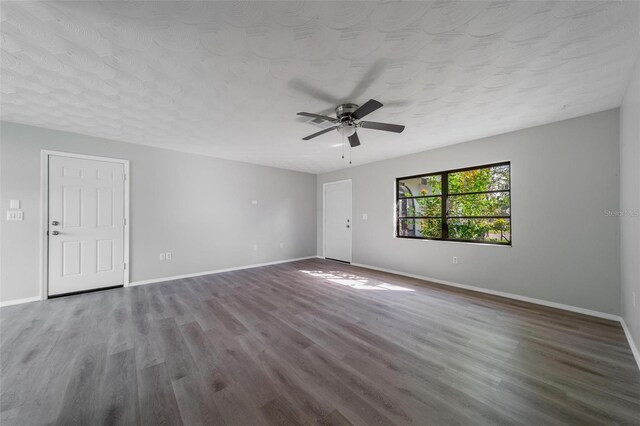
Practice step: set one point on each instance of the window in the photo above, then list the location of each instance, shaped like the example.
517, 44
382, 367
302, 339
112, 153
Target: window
470, 205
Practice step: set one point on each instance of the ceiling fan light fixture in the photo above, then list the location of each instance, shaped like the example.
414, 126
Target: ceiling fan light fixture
346, 129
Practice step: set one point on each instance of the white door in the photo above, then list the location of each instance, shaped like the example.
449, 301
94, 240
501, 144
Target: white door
337, 221
86, 224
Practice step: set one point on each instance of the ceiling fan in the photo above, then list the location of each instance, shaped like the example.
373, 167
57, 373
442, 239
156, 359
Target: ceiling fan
348, 121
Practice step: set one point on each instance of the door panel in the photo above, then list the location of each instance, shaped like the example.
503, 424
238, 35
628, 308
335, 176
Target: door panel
71, 258
105, 207
104, 249
71, 207
86, 199
338, 221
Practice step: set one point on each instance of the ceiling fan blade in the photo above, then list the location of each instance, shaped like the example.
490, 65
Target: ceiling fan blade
314, 92
396, 128
371, 76
321, 117
321, 132
366, 108
354, 140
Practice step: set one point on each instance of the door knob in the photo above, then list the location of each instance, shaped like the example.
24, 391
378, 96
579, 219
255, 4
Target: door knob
55, 223
54, 233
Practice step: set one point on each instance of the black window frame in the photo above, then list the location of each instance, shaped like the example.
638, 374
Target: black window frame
444, 195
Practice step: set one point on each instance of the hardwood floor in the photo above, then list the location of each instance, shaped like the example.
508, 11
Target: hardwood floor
310, 342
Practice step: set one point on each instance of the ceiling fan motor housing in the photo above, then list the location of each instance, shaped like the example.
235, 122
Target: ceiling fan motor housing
344, 111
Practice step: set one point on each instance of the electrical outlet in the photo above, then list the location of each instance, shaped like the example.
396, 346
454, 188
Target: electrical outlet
168, 256
365, 216
455, 260
161, 256
281, 245
255, 247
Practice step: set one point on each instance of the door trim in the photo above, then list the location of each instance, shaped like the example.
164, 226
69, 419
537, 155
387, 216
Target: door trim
324, 216
44, 213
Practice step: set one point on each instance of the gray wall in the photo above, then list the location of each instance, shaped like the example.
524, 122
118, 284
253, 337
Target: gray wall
565, 249
630, 204
199, 208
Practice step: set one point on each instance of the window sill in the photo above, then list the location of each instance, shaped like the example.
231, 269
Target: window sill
454, 242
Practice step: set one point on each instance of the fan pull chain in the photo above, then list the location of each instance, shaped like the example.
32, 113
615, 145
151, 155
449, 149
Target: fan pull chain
349, 154
343, 147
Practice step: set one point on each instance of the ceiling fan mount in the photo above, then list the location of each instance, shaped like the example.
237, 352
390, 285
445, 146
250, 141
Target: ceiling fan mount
348, 119
344, 111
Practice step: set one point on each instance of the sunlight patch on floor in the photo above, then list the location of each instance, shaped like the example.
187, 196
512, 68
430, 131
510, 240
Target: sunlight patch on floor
355, 281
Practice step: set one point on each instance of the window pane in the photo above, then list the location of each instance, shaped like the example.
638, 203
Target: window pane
477, 180
489, 230
491, 204
423, 228
431, 206
425, 185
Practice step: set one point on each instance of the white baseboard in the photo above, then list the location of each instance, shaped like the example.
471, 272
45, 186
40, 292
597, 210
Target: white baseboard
627, 332
215, 271
175, 277
584, 311
632, 343
19, 301
612, 317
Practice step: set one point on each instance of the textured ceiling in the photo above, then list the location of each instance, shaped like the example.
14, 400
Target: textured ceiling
226, 79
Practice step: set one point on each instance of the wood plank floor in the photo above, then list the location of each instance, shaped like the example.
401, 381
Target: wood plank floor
310, 342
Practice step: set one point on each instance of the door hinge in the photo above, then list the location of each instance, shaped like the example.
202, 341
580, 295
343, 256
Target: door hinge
124, 176
124, 266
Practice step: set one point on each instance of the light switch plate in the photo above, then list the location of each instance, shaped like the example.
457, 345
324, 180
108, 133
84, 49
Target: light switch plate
14, 204
365, 216
15, 215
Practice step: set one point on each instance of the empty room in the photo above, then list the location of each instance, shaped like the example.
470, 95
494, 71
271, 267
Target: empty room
336, 213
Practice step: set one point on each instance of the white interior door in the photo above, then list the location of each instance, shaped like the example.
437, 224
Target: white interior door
86, 224
337, 221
